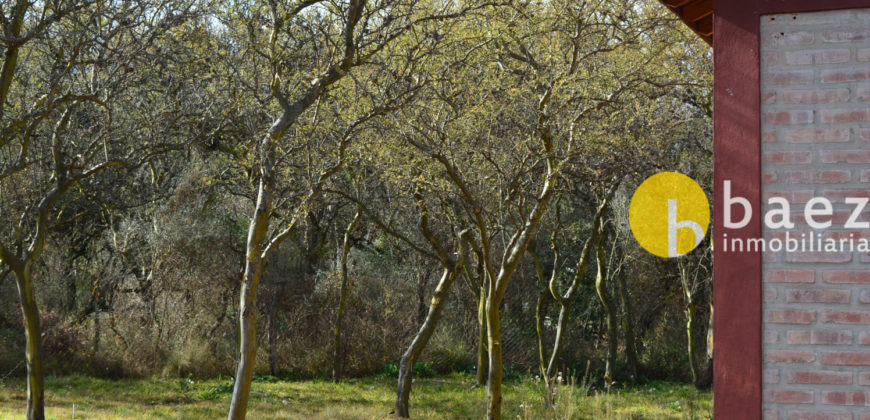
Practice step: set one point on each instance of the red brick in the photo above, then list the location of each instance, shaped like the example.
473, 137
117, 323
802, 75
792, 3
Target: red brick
788, 77
789, 356
828, 56
815, 96
846, 317
794, 197
840, 116
819, 296
844, 397
789, 396
817, 136
790, 276
864, 338
768, 177
804, 116
788, 158
846, 35
846, 358
771, 58
770, 415
790, 316
865, 296
768, 98
840, 196
864, 133
820, 337
771, 336
820, 377
864, 378
863, 54
845, 156
865, 175
847, 234
862, 94
819, 415
819, 257
768, 137
816, 177
770, 294
846, 277
788, 38
771, 376
845, 75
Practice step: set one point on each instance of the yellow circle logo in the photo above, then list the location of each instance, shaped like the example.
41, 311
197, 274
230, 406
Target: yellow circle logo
669, 214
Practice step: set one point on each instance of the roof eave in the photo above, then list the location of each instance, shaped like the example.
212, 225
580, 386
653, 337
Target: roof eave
696, 14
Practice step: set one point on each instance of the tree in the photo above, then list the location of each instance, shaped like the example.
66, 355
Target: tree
695, 280
346, 46
58, 131
564, 299
342, 296
448, 249
539, 129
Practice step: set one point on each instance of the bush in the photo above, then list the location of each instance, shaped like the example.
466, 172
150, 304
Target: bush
390, 370
423, 370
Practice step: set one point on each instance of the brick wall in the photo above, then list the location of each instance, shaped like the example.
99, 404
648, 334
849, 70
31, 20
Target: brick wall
816, 142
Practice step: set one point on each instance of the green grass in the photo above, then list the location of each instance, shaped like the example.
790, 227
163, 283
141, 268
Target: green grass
445, 397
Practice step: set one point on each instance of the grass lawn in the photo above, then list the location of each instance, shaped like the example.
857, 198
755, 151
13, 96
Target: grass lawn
446, 397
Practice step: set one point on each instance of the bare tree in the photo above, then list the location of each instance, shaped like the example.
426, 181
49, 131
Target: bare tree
63, 122
342, 297
565, 299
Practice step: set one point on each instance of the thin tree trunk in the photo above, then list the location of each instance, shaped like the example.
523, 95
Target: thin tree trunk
33, 334
610, 310
409, 358
540, 310
690, 326
706, 377
628, 329
540, 313
422, 286
690, 283
493, 319
342, 298
254, 266
482, 339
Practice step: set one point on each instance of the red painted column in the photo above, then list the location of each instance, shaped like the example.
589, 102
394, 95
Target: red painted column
736, 157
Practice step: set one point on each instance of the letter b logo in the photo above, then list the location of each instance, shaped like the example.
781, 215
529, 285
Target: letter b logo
669, 214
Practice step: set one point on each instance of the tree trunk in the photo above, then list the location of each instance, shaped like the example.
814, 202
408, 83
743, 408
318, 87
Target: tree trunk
482, 340
422, 286
690, 326
701, 378
33, 358
409, 358
706, 367
540, 311
493, 320
342, 298
628, 329
254, 266
610, 310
